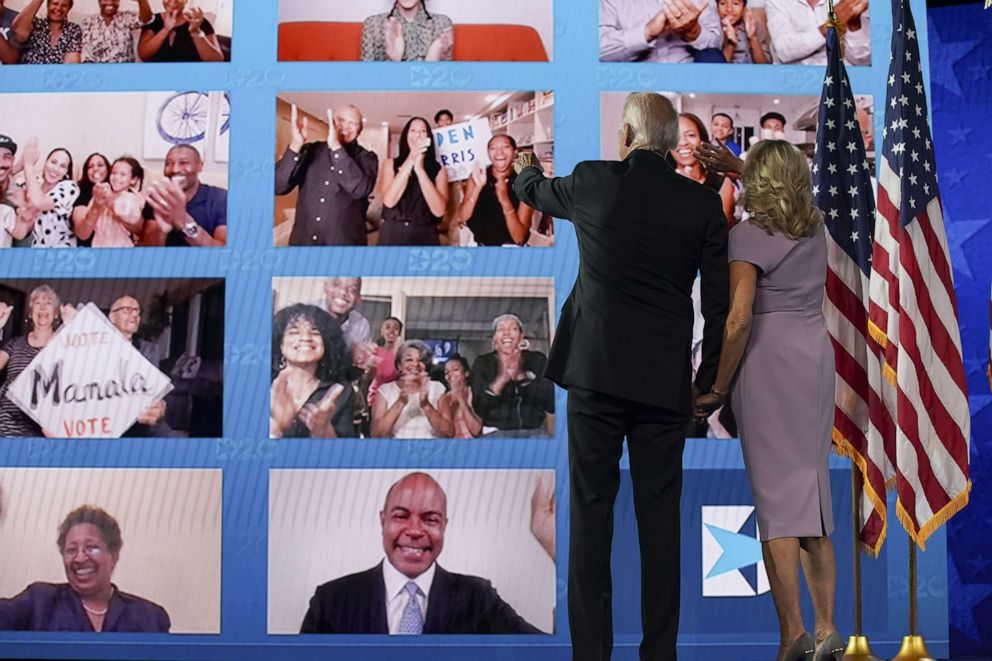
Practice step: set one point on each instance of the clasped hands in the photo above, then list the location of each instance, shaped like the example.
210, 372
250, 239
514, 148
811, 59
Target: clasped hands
704, 404
679, 17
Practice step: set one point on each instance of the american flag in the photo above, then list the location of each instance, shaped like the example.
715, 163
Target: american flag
842, 189
913, 308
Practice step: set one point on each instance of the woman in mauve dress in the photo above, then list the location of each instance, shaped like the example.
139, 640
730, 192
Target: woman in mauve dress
778, 359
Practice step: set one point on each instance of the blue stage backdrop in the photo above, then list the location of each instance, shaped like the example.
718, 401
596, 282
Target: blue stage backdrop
727, 611
960, 66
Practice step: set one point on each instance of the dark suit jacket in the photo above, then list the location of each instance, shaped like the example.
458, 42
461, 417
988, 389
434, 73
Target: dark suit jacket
457, 604
643, 232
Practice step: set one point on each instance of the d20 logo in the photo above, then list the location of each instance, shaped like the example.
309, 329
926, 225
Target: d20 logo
732, 564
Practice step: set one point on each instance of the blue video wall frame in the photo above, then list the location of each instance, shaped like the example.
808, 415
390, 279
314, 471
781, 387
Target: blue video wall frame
715, 473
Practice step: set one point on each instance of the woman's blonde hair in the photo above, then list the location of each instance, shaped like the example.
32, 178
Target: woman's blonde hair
778, 192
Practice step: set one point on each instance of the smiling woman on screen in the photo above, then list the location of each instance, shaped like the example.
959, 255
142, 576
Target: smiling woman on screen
90, 543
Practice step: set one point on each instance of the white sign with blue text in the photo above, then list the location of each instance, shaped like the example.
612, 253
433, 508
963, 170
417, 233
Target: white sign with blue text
462, 147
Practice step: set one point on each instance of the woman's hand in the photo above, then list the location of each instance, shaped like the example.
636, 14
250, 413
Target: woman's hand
281, 407
441, 48
170, 19
707, 404
67, 313
317, 417
5, 312
392, 35
102, 194
194, 15
479, 175
502, 189
30, 156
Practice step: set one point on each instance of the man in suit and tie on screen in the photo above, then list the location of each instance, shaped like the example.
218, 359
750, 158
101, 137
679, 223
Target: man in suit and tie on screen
622, 350
409, 593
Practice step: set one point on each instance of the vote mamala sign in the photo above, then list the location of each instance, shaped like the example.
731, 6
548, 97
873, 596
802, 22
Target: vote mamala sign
88, 381
461, 147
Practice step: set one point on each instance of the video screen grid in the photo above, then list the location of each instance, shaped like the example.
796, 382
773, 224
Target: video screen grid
293, 290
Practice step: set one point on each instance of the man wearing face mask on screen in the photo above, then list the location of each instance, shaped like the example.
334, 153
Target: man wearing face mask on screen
334, 180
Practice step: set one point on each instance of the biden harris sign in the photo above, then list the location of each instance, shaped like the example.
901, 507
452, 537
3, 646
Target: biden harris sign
89, 381
462, 147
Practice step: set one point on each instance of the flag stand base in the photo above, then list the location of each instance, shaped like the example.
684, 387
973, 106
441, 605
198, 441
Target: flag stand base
858, 649
913, 649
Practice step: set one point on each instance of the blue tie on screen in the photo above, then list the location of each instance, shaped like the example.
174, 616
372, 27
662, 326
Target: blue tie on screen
412, 622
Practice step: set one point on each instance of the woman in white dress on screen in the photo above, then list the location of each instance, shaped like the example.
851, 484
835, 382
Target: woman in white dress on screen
413, 405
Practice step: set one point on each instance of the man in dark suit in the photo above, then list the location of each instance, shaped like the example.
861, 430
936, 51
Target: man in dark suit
409, 593
622, 350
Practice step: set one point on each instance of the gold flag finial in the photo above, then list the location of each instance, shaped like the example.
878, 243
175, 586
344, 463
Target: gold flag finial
832, 22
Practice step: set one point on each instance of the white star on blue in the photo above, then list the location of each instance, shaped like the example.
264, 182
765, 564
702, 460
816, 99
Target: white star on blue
847, 217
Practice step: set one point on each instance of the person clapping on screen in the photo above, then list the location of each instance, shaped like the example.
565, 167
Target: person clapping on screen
49, 195
415, 190
491, 208
412, 406
406, 33
311, 395
509, 391
334, 177
90, 543
113, 216
179, 34
109, 35
50, 40
186, 210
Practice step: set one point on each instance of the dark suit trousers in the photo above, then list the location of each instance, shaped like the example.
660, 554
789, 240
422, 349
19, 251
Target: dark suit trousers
597, 425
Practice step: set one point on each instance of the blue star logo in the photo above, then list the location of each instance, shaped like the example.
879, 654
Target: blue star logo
738, 551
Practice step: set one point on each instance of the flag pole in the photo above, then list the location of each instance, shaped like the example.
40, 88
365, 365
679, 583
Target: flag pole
914, 648
858, 647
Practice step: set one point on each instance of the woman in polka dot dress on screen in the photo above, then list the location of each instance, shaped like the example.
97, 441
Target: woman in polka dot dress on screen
51, 192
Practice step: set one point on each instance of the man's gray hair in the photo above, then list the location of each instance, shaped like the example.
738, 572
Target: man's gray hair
653, 120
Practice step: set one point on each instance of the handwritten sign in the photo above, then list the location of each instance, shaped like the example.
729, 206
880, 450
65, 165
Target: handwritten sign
461, 147
89, 381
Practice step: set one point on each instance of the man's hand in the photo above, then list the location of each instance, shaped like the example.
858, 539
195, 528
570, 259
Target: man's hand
392, 35
718, 158
298, 125
542, 515
168, 201
333, 141
750, 24
729, 30
153, 413
683, 18
849, 13
526, 159
656, 26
